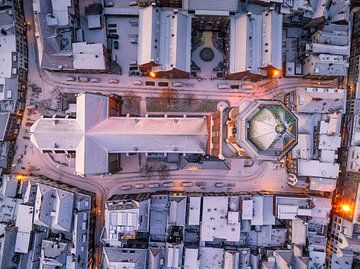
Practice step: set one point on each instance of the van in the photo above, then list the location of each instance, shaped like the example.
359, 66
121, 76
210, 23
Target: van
223, 86
83, 79
94, 80
178, 84
137, 82
70, 79
113, 81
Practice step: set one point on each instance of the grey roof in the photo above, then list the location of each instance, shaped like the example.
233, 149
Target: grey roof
225, 5
4, 119
135, 257
54, 208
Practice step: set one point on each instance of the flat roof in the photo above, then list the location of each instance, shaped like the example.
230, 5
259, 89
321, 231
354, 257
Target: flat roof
8, 46
88, 56
194, 210
315, 168
216, 223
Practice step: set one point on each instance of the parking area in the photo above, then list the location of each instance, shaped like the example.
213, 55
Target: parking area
122, 35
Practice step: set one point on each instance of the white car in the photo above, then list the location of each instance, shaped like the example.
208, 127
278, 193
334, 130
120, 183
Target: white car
178, 84
186, 184
126, 187
223, 86
137, 83
113, 81
83, 79
139, 186
153, 185
168, 184
94, 80
70, 79
246, 87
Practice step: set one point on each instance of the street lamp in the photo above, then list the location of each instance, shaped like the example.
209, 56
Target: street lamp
345, 208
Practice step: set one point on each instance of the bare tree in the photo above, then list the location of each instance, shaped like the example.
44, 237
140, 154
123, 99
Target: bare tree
130, 98
163, 171
148, 170
189, 97
168, 94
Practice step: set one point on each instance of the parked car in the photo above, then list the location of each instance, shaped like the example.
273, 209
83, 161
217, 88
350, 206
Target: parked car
126, 187
70, 79
112, 31
116, 45
112, 25
113, 36
83, 79
163, 84
113, 81
178, 84
247, 87
153, 185
133, 3
139, 186
137, 82
168, 184
133, 68
109, 4
223, 86
149, 83
186, 184
94, 80
219, 184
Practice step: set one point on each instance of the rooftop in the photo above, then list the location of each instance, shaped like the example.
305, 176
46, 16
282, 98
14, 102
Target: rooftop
93, 134
267, 129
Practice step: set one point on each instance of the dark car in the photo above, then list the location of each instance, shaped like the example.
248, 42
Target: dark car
113, 36
116, 45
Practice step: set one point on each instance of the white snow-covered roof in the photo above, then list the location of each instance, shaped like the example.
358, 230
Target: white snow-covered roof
225, 5
53, 208
320, 100
165, 39
88, 56
60, 10
24, 223
215, 220
94, 21
8, 46
93, 134
255, 42
315, 168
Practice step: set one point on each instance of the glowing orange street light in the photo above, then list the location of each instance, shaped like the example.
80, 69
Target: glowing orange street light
346, 208
19, 177
276, 73
152, 74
